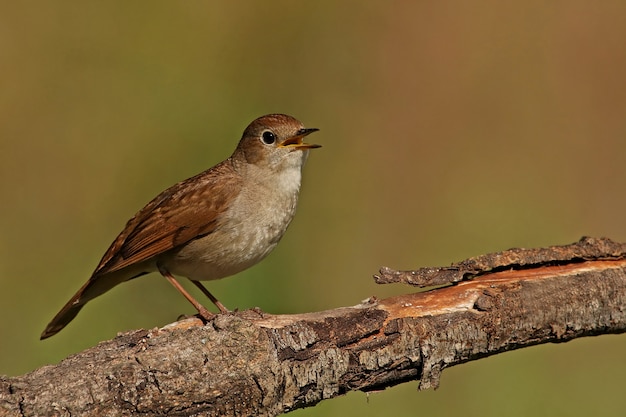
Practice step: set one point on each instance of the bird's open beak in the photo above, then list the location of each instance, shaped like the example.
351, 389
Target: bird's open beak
296, 142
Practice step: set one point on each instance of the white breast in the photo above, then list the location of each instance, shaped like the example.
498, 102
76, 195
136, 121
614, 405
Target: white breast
256, 221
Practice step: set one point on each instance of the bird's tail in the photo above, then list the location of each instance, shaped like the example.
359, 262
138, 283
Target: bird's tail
97, 285
63, 317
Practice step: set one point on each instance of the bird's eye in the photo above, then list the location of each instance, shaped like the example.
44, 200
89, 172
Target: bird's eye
268, 137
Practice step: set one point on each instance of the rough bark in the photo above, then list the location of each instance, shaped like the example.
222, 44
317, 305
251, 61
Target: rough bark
252, 363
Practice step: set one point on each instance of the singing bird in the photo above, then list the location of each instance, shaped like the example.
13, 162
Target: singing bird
212, 225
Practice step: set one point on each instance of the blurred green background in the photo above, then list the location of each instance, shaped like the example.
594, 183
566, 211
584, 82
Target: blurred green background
450, 129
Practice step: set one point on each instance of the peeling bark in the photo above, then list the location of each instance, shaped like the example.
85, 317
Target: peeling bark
253, 363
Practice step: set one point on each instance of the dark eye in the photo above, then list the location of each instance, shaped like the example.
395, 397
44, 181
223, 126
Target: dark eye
268, 137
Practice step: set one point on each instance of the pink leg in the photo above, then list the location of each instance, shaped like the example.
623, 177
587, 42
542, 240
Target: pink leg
206, 314
206, 292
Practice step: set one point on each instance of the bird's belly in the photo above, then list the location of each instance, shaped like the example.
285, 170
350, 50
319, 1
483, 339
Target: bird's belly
228, 250
201, 261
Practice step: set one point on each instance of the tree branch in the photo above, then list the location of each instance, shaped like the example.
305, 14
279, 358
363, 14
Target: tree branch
253, 363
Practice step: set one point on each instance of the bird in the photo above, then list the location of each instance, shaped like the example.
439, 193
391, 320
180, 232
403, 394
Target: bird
212, 225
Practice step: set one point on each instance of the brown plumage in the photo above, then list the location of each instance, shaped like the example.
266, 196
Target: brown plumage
212, 225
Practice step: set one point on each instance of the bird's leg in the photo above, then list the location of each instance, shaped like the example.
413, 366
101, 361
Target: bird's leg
206, 314
206, 292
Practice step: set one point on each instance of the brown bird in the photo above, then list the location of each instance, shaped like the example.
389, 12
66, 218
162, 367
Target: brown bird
212, 225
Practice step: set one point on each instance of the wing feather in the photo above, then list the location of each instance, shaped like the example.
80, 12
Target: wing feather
183, 212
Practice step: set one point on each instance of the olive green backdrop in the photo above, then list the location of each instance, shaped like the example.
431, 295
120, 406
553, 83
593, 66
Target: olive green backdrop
450, 129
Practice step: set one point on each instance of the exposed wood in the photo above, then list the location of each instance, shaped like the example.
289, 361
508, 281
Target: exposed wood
586, 249
252, 363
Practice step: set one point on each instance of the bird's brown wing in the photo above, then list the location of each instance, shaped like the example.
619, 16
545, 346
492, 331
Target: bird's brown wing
178, 215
